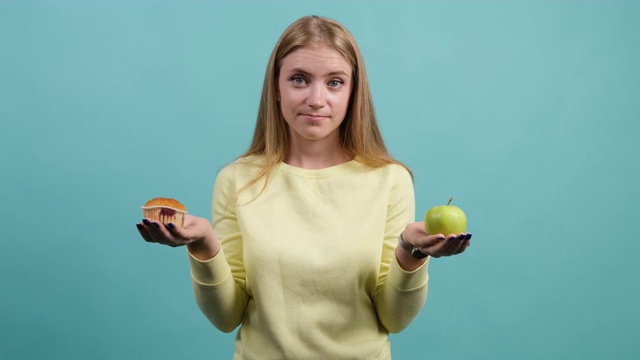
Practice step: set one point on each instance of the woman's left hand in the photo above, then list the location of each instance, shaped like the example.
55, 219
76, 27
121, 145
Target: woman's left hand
435, 245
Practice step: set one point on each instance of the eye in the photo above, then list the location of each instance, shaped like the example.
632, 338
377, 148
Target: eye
335, 83
298, 80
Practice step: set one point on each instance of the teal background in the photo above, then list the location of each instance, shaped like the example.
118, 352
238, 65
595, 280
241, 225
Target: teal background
526, 112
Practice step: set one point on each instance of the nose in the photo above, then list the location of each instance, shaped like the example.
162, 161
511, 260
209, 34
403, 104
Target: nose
317, 97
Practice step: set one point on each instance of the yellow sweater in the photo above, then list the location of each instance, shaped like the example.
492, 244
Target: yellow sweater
308, 267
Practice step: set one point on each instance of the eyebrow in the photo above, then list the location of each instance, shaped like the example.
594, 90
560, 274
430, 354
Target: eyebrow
305, 72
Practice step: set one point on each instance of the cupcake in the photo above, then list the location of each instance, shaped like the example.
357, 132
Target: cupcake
164, 210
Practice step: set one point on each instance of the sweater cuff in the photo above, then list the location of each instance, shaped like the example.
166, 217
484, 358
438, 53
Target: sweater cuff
408, 280
210, 272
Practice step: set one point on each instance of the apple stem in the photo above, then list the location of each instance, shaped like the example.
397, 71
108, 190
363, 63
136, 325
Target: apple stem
450, 199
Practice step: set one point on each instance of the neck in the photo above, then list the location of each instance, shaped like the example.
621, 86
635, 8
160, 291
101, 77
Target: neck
316, 154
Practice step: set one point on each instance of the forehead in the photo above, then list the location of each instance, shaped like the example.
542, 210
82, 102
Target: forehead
315, 59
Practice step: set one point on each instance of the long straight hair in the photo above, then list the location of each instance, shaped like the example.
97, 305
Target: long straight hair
359, 132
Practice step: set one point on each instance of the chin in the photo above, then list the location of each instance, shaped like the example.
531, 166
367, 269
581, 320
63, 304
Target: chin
315, 134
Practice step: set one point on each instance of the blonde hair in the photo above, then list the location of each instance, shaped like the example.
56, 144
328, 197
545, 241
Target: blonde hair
359, 130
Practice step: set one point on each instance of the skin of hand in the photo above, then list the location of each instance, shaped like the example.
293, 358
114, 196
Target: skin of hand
435, 245
196, 233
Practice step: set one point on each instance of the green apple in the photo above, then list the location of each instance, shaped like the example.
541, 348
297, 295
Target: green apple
445, 219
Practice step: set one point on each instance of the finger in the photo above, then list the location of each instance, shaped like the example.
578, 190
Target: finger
144, 233
183, 235
465, 241
151, 231
429, 240
468, 240
437, 248
178, 236
179, 231
464, 244
453, 244
156, 233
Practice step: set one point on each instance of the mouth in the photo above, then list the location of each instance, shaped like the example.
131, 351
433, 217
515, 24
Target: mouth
314, 116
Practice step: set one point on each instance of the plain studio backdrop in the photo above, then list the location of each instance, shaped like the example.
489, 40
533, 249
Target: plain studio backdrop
526, 112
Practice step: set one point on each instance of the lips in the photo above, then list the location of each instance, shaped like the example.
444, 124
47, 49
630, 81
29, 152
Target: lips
315, 116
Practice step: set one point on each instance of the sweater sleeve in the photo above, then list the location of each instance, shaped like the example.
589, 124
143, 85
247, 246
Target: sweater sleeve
219, 283
400, 294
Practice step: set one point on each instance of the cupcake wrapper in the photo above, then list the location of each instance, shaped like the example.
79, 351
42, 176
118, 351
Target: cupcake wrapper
164, 215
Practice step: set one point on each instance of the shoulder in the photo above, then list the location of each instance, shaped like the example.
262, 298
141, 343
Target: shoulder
392, 171
398, 170
391, 178
400, 176
241, 168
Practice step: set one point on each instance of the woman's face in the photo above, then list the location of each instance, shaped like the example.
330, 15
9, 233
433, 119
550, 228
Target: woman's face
313, 90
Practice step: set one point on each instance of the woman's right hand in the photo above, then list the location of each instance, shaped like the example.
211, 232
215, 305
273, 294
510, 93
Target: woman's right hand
196, 233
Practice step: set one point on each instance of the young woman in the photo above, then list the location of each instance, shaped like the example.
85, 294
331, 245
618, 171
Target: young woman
303, 253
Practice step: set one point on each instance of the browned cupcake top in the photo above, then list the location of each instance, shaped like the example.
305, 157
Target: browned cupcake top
168, 202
